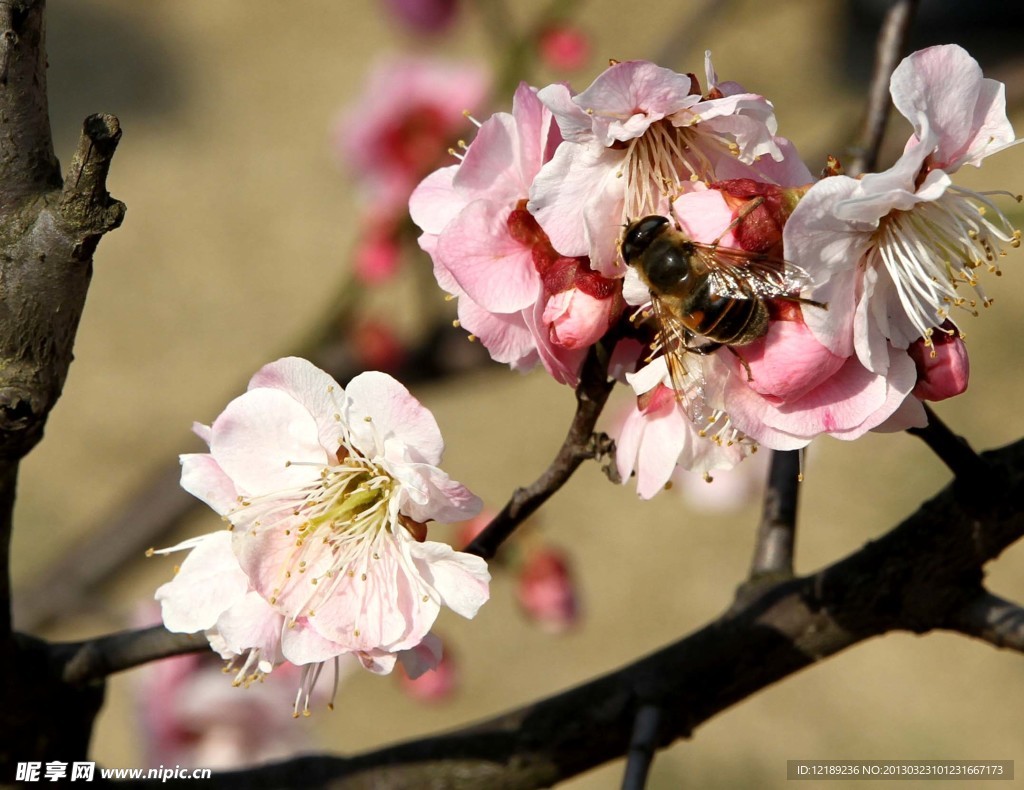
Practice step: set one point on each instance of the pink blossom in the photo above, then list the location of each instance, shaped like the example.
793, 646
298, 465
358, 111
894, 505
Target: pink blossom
489, 251
436, 676
942, 370
640, 134
402, 125
798, 389
547, 590
891, 249
327, 491
658, 435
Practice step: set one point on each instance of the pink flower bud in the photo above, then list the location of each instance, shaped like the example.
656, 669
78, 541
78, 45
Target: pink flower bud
547, 592
788, 362
943, 369
578, 320
376, 257
564, 47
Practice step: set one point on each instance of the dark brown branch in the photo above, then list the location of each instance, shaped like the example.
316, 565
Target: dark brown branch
991, 619
579, 445
776, 534
892, 40
954, 451
28, 165
8, 485
97, 658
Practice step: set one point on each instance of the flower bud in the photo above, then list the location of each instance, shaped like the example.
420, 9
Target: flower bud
943, 369
563, 47
578, 320
547, 592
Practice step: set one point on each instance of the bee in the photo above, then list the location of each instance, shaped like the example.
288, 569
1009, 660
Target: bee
705, 292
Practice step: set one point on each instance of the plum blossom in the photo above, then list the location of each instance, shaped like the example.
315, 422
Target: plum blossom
520, 298
546, 589
893, 249
639, 135
327, 492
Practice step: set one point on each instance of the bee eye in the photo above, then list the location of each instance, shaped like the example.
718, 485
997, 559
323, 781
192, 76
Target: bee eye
668, 268
639, 236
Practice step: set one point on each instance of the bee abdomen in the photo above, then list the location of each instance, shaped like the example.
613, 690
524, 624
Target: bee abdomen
730, 321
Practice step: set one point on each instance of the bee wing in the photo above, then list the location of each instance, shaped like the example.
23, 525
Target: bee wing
740, 274
685, 367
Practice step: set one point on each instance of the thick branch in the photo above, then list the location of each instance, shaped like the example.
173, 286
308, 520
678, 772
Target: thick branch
892, 41
579, 445
27, 162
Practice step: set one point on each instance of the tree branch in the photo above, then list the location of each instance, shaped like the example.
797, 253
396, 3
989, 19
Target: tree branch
94, 659
991, 619
892, 41
954, 451
642, 745
579, 445
776, 534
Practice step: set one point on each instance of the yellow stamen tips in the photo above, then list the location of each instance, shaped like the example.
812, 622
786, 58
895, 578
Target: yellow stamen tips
449, 297
314, 581
613, 62
362, 577
351, 574
668, 486
330, 706
589, 111
708, 478
356, 632
150, 551
306, 713
453, 152
312, 613
177, 568
456, 323
462, 144
367, 418
426, 598
273, 599
337, 417
800, 477
471, 338
287, 574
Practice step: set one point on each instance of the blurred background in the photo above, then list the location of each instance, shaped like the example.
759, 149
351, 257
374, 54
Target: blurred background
252, 229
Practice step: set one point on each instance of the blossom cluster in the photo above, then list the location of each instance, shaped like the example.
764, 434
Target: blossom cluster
526, 231
327, 493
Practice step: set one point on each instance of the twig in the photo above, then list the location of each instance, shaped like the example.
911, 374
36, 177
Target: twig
97, 658
892, 40
579, 445
642, 746
953, 450
776, 534
991, 619
84, 201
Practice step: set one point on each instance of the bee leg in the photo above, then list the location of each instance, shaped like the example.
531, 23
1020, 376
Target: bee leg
742, 215
801, 300
746, 367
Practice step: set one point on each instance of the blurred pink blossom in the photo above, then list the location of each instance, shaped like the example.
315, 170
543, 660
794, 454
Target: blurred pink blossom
411, 111
564, 47
547, 590
424, 16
